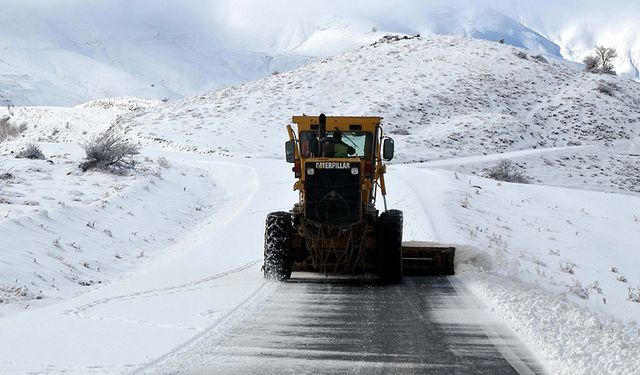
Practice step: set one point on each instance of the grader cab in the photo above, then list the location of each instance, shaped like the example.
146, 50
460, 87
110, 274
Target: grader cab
335, 227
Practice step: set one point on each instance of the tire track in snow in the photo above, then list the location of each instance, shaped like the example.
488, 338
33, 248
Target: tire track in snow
227, 217
212, 332
78, 311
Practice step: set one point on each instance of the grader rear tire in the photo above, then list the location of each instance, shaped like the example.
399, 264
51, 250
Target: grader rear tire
277, 246
390, 246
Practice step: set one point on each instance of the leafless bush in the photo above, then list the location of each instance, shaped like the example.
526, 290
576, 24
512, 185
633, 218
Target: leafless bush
539, 58
568, 267
8, 129
399, 131
521, 54
579, 290
32, 151
109, 152
602, 61
608, 88
634, 294
595, 286
507, 171
464, 201
163, 162
590, 64
622, 278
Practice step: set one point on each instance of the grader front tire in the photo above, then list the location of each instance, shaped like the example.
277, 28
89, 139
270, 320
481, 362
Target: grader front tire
390, 246
277, 246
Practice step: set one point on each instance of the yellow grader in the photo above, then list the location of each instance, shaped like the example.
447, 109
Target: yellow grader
335, 228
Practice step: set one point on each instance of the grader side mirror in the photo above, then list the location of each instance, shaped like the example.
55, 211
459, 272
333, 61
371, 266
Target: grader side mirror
290, 151
387, 149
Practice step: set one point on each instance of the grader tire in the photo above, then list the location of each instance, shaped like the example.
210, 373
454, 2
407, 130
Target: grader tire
277, 246
390, 246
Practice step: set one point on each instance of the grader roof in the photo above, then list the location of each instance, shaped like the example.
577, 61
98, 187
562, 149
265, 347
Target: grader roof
307, 121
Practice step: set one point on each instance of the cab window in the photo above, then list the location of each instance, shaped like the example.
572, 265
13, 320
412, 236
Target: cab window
359, 140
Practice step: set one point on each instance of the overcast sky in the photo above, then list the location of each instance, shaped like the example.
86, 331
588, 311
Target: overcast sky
252, 15
576, 25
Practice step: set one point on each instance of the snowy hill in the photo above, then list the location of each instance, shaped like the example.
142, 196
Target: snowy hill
440, 97
65, 54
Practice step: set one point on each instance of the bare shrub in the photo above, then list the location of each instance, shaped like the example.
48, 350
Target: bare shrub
109, 152
8, 129
521, 54
634, 294
507, 171
163, 162
605, 56
622, 278
590, 64
608, 88
568, 267
399, 131
595, 286
539, 58
32, 151
602, 61
578, 290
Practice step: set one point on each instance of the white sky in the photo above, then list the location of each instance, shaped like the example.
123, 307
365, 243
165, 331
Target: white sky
252, 15
576, 25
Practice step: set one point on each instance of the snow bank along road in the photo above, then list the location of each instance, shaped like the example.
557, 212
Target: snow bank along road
206, 305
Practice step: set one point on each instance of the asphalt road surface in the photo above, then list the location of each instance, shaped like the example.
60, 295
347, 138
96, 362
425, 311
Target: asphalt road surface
426, 325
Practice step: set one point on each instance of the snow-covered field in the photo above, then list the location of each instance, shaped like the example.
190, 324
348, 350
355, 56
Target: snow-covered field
64, 231
172, 249
559, 265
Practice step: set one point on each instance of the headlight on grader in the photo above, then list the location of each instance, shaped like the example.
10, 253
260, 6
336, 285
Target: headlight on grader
354, 171
310, 171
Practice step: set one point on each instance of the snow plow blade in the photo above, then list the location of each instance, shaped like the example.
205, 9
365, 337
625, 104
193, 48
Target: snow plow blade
427, 259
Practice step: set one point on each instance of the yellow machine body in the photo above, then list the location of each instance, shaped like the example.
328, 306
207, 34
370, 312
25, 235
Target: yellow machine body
335, 227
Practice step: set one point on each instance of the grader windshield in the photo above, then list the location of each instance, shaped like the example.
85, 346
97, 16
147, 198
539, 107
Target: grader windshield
361, 142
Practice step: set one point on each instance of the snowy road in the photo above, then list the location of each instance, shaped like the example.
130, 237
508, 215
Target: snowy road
312, 325
204, 308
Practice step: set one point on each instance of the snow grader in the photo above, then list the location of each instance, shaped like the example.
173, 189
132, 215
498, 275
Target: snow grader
335, 227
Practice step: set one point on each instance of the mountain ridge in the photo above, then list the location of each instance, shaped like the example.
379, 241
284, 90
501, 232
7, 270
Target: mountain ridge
66, 56
440, 96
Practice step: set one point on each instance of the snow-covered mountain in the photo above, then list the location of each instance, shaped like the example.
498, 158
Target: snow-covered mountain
440, 96
65, 53
78, 51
